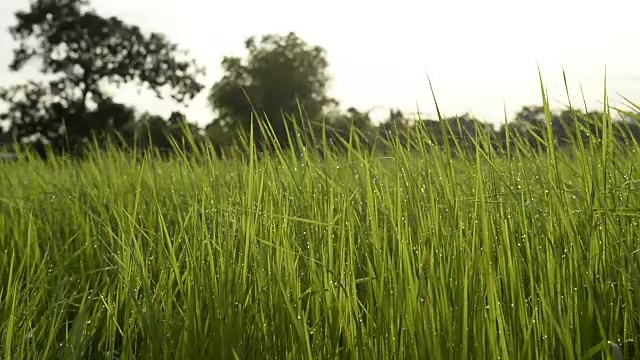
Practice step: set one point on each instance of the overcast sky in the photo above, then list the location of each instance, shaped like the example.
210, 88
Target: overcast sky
481, 55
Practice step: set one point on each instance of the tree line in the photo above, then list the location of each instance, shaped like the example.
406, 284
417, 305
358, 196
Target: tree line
277, 93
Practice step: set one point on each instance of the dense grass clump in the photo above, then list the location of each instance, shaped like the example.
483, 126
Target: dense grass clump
422, 252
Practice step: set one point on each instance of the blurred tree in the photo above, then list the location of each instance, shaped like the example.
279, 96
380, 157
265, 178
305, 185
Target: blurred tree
84, 52
36, 113
530, 117
528, 125
352, 123
395, 121
394, 128
531, 123
221, 137
158, 132
281, 75
5, 139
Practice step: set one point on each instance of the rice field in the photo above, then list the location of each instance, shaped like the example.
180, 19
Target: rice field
417, 253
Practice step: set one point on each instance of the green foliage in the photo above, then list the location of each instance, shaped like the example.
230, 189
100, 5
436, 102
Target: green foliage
426, 252
35, 111
281, 76
70, 39
84, 52
155, 132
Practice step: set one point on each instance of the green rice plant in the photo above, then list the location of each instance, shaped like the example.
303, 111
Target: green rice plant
421, 251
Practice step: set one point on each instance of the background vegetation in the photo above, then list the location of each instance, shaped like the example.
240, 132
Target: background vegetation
282, 80
425, 251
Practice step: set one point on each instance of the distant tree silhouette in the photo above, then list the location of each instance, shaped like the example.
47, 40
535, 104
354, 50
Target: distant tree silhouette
84, 53
396, 121
343, 126
530, 124
280, 76
153, 131
5, 139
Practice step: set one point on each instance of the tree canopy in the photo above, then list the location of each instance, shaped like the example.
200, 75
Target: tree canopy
83, 53
281, 76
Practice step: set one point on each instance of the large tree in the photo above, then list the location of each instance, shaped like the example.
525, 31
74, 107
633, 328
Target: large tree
83, 53
280, 76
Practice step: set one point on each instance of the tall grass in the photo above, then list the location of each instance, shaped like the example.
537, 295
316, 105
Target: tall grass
418, 254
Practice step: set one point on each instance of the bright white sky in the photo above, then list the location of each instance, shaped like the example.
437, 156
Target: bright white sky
480, 55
